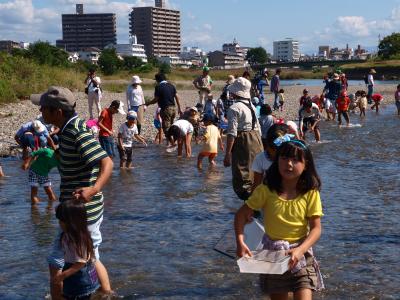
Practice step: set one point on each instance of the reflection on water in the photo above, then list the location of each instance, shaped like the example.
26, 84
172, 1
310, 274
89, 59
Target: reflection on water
163, 218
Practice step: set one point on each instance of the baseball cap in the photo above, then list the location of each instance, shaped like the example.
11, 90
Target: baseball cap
119, 106
56, 97
132, 115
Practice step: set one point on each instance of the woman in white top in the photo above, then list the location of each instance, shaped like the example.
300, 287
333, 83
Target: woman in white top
94, 92
135, 99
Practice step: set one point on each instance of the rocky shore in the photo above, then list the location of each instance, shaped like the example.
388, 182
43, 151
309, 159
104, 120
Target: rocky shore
13, 115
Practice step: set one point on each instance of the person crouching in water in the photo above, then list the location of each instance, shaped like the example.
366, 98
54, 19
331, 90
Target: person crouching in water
181, 132
40, 163
377, 98
212, 138
342, 106
309, 116
128, 131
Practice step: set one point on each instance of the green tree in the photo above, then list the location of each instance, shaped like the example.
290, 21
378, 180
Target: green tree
389, 47
257, 56
109, 62
165, 68
132, 62
45, 54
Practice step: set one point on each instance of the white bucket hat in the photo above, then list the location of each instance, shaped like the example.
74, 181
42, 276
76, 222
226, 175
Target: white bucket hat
136, 80
38, 126
241, 88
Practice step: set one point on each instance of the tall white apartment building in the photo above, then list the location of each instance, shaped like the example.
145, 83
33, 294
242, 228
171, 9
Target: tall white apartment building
286, 50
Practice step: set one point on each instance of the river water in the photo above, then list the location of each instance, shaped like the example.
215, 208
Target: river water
163, 219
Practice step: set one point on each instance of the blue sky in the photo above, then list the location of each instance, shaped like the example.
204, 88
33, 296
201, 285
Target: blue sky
210, 23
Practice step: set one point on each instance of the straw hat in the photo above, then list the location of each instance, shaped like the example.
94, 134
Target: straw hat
372, 71
241, 88
336, 76
136, 80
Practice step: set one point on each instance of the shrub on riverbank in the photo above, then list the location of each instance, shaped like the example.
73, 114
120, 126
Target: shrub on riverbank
21, 77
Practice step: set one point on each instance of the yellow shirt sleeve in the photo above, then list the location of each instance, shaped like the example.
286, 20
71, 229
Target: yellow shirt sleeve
314, 205
257, 199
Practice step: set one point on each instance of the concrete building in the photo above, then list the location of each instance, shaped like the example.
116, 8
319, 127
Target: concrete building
324, 51
131, 49
8, 46
225, 60
90, 54
235, 48
286, 50
82, 30
157, 28
175, 61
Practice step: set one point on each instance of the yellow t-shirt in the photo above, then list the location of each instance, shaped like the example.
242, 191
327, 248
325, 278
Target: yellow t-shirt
285, 219
211, 136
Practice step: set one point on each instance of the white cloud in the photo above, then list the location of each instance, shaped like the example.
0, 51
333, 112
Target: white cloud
355, 26
207, 26
191, 16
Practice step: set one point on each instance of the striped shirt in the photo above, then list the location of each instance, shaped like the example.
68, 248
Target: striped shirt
80, 155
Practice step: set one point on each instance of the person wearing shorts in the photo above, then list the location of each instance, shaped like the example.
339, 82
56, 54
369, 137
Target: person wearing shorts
127, 132
309, 119
40, 163
84, 170
166, 96
212, 138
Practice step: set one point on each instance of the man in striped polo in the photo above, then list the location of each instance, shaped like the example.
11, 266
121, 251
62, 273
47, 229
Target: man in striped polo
84, 169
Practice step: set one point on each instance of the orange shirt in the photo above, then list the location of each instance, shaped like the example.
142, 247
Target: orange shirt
343, 103
107, 120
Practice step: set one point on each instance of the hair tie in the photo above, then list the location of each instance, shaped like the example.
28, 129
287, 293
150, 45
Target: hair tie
288, 138
282, 139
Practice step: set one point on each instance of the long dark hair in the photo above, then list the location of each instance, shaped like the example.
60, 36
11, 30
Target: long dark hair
309, 179
73, 215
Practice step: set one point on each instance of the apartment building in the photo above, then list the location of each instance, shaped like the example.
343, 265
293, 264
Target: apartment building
286, 50
157, 28
82, 30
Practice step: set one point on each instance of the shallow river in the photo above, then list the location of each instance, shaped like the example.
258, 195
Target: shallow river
163, 219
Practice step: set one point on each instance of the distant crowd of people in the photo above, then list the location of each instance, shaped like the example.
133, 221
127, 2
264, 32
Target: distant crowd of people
272, 166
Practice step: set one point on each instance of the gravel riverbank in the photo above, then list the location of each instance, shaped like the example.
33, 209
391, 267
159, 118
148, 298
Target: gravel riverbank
13, 115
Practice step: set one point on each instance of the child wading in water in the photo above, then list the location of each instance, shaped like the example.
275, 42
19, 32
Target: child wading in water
213, 138
157, 124
79, 275
128, 131
292, 209
40, 163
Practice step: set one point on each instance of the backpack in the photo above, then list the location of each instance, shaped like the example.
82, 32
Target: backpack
366, 79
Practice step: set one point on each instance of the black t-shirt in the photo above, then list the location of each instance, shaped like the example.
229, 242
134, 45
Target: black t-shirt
165, 92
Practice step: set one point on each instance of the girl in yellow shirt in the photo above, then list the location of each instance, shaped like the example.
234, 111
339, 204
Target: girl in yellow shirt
292, 209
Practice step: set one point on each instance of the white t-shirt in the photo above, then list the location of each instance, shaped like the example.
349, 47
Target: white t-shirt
135, 97
185, 126
261, 163
91, 86
128, 134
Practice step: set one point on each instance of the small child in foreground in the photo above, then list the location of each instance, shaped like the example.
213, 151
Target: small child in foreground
128, 131
292, 209
79, 275
40, 163
212, 139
